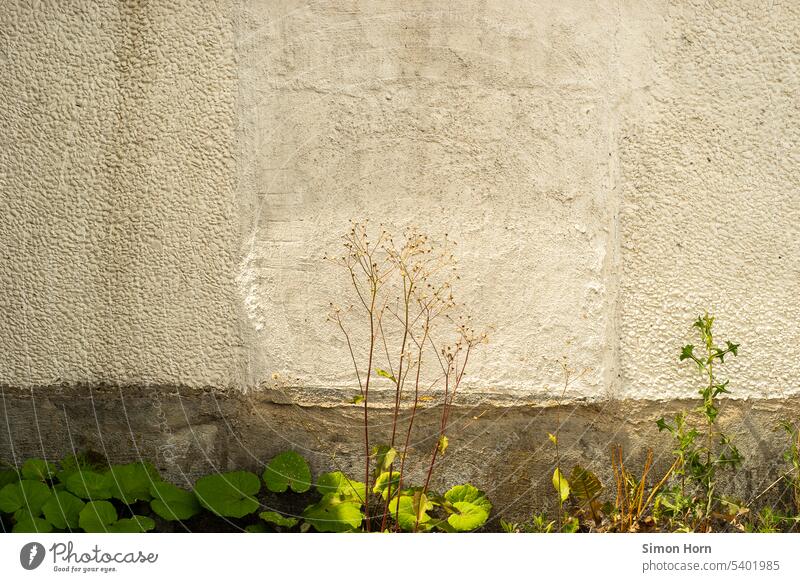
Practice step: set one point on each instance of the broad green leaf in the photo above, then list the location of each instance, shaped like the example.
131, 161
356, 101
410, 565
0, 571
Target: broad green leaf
421, 505
32, 525
435, 498
443, 442
256, 528
468, 517
97, 517
470, 494
38, 470
71, 465
229, 494
340, 484
26, 494
278, 519
8, 476
384, 456
410, 511
131, 482
382, 484
385, 374
287, 470
91, 485
22, 514
332, 514
561, 485
173, 503
584, 484
63, 509
441, 525
135, 524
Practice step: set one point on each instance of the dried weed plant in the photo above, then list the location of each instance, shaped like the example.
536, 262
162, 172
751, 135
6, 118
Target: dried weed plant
404, 325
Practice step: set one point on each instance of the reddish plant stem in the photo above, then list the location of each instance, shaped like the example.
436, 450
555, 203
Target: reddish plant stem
413, 414
366, 410
407, 289
445, 416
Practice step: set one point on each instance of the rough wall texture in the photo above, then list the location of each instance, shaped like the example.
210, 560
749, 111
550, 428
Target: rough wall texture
711, 212
120, 229
494, 123
504, 450
611, 170
173, 172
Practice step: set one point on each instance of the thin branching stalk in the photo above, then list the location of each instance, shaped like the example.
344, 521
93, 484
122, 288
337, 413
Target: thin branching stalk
411, 282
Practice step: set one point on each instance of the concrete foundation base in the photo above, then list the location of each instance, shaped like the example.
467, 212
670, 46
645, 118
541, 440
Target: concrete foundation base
501, 449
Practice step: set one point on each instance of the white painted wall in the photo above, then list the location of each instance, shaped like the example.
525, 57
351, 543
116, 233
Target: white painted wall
119, 234
174, 172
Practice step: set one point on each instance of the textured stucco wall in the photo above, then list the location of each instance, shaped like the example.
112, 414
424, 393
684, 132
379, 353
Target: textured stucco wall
492, 122
588, 157
120, 228
711, 188
173, 172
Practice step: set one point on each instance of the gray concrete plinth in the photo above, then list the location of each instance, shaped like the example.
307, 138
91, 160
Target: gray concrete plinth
501, 449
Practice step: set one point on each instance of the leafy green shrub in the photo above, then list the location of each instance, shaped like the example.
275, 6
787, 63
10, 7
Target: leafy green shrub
278, 519
340, 508
38, 470
287, 470
172, 503
63, 510
8, 476
88, 484
76, 495
97, 516
25, 499
468, 506
229, 494
792, 456
420, 275
135, 524
130, 483
402, 304
703, 451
